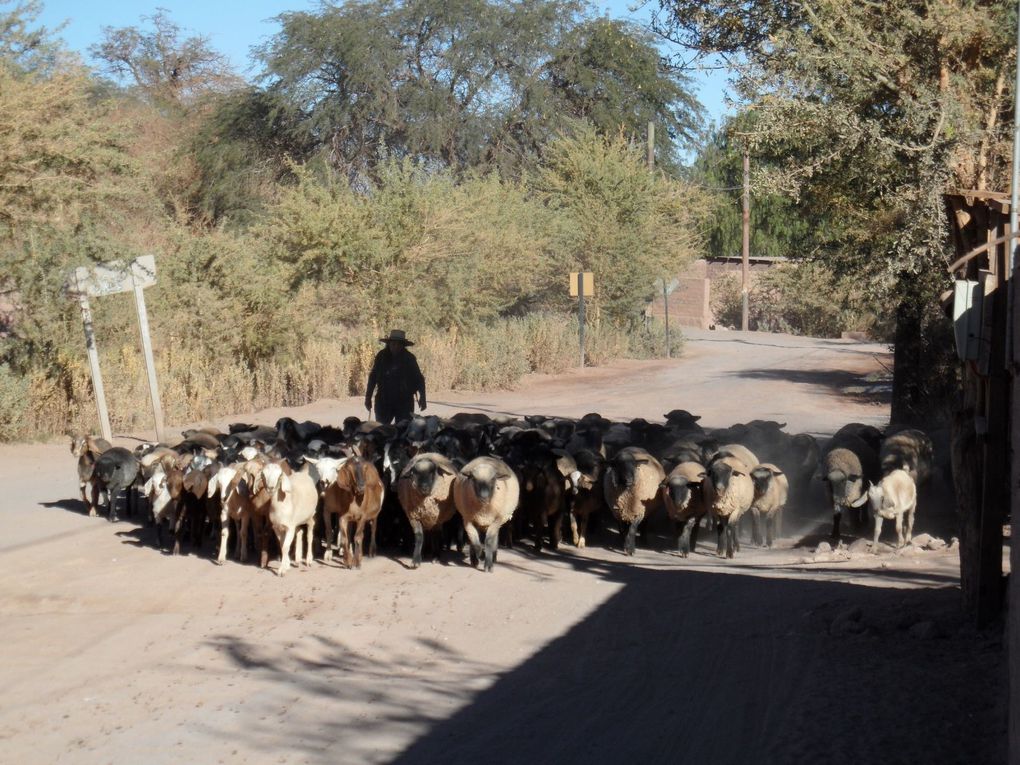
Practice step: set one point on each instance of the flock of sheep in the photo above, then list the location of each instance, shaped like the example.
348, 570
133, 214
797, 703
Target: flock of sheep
493, 479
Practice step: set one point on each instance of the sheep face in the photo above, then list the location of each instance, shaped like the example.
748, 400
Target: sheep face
423, 476
623, 469
679, 489
271, 477
720, 474
762, 477
876, 498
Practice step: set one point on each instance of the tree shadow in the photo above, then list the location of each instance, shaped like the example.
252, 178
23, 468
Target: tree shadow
852, 385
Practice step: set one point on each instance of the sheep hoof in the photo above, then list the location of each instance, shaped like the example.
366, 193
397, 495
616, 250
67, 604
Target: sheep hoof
218, 562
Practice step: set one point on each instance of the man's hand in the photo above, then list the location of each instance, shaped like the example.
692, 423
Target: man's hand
421, 403
368, 403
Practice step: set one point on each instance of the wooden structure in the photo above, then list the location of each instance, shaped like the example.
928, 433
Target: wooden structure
982, 429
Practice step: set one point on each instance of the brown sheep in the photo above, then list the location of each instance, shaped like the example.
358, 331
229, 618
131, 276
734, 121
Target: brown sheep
771, 490
356, 499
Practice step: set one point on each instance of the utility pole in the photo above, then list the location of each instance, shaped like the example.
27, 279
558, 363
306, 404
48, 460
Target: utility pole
746, 249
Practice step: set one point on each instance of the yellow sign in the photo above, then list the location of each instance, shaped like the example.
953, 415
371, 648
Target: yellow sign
587, 283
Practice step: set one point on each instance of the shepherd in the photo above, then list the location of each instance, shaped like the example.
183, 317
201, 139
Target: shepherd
395, 378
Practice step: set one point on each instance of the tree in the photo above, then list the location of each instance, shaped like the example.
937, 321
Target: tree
875, 109
466, 84
163, 66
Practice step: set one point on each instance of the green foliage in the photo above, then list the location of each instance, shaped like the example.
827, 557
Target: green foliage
480, 84
625, 224
799, 298
13, 402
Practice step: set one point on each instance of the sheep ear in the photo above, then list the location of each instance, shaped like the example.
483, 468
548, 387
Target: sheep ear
776, 471
443, 470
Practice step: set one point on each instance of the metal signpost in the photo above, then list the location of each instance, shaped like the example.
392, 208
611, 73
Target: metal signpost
110, 279
667, 289
582, 284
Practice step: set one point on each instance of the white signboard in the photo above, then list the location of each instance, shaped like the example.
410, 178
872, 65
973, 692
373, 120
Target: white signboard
116, 276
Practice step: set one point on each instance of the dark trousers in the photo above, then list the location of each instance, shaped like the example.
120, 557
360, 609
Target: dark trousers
387, 414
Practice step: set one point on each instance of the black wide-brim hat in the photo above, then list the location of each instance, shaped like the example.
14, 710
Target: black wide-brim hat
396, 334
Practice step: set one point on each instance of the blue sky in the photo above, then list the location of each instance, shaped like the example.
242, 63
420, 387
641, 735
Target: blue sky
235, 26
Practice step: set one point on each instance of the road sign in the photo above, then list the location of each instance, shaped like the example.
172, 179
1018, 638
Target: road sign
116, 276
587, 283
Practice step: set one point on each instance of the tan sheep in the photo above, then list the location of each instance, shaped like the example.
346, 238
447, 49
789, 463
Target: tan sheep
771, 491
485, 493
729, 493
631, 484
425, 491
895, 497
683, 496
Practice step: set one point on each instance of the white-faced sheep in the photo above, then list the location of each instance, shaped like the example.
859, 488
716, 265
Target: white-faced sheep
895, 497
729, 493
771, 491
87, 449
631, 484
683, 496
292, 503
425, 491
485, 493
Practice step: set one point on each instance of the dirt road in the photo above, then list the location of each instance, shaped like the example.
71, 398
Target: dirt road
116, 653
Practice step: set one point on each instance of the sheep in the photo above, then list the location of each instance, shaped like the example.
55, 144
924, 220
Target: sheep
631, 485
425, 491
485, 493
729, 493
908, 449
355, 498
895, 496
848, 466
683, 496
87, 449
292, 503
741, 452
771, 490
589, 498
160, 502
543, 492
115, 469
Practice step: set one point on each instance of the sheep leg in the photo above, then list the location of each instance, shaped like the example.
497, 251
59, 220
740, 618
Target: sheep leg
720, 529
732, 543
343, 541
299, 543
475, 542
263, 539
837, 515
756, 540
910, 520
242, 537
491, 545
878, 531
310, 547
327, 530
371, 542
630, 543
285, 536
556, 530
221, 555
359, 542
899, 530
684, 544
573, 530
111, 507
182, 511
695, 525
419, 540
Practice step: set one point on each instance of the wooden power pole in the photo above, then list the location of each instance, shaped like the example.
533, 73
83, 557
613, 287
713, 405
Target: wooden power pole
746, 249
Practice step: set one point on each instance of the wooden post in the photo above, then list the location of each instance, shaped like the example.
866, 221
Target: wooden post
580, 312
651, 145
150, 365
665, 311
746, 247
93, 353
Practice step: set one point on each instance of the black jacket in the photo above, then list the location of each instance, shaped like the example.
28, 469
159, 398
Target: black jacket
397, 378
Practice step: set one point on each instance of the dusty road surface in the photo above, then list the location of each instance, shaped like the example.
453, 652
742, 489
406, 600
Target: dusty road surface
116, 653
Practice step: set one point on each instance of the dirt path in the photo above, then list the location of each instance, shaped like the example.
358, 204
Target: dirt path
116, 653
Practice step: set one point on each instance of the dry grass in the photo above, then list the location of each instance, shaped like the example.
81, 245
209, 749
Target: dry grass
196, 384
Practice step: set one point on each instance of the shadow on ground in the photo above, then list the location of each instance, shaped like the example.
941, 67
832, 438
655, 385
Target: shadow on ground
675, 667
855, 386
